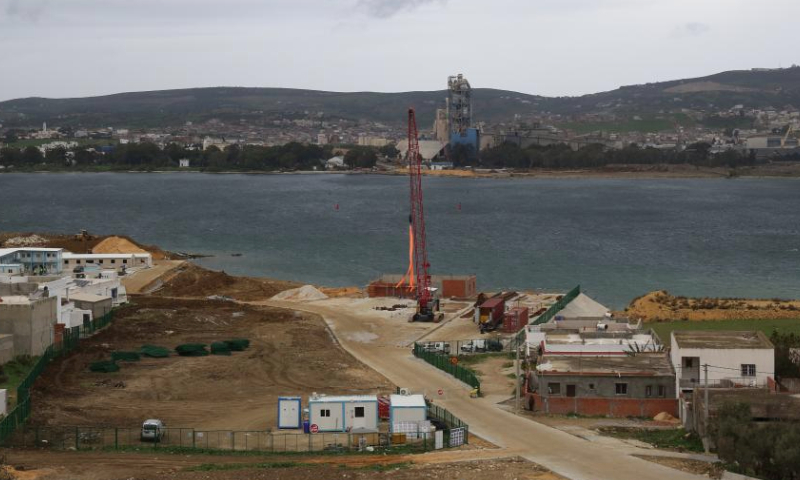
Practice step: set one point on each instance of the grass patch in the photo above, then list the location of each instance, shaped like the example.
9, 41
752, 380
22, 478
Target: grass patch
216, 467
385, 467
512, 376
478, 358
782, 325
13, 373
669, 439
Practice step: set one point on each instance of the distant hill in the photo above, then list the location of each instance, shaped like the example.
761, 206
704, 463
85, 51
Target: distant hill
752, 88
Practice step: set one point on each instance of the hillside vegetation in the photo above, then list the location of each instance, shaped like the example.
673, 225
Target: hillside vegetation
775, 88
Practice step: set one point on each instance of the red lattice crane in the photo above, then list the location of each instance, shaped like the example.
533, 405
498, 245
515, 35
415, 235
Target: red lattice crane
418, 277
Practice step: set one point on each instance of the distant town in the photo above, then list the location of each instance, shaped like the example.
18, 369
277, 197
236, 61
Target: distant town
728, 137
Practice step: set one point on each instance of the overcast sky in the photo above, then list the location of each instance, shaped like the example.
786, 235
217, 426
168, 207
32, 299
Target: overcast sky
70, 48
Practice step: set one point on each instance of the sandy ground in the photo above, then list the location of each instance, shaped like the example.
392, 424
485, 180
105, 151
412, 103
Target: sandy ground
290, 354
141, 466
661, 306
141, 280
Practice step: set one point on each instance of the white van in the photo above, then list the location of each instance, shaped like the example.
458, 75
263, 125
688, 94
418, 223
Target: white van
437, 347
153, 430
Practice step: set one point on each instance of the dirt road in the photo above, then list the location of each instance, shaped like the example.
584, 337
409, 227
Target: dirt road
377, 343
138, 281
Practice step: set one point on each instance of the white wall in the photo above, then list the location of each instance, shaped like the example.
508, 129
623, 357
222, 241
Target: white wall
730, 359
326, 424
408, 414
343, 415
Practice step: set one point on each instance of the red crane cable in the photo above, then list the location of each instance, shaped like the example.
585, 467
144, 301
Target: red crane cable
417, 216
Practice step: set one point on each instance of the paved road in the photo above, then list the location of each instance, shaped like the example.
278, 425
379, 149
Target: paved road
565, 454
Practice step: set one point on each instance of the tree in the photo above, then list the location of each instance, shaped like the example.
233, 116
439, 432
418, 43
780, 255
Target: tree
32, 156
11, 136
10, 156
361, 157
389, 151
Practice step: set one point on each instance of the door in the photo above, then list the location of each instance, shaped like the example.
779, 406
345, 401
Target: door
358, 416
289, 414
571, 390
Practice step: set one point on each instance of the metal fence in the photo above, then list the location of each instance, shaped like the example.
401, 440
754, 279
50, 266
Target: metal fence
103, 438
446, 364
69, 341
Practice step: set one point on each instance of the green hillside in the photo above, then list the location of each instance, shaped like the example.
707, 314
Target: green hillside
775, 88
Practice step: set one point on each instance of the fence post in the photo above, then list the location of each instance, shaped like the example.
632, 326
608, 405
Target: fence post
194, 435
116, 438
77, 444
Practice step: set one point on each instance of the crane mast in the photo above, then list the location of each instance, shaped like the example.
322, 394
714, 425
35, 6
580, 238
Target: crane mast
420, 266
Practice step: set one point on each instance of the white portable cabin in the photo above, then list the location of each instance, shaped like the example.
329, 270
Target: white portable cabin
355, 413
407, 409
290, 412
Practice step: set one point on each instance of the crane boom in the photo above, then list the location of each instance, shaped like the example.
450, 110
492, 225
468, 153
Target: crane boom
417, 221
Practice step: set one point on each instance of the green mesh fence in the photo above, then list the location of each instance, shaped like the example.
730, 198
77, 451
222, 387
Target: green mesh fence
444, 363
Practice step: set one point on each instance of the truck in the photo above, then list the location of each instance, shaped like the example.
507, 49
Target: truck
153, 430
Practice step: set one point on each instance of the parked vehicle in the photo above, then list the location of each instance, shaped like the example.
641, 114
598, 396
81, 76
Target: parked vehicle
153, 430
78, 269
437, 347
479, 346
474, 346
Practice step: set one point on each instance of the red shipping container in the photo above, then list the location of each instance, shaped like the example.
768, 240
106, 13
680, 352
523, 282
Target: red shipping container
515, 319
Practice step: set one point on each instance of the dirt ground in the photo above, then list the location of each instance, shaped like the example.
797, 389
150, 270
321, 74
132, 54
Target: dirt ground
32, 464
711, 470
290, 354
194, 281
661, 306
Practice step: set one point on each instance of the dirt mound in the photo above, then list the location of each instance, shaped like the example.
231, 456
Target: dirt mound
304, 293
194, 281
117, 245
662, 306
666, 417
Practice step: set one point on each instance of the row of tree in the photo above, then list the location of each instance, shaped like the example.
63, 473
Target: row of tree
561, 156
291, 156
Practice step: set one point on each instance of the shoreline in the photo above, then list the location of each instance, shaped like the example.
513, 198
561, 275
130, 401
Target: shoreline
791, 171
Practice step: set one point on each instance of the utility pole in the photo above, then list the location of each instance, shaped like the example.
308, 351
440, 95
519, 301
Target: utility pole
516, 405
705, 405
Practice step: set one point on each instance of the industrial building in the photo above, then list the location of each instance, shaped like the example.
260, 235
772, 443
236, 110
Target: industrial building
290, 411
107, 260
30, 322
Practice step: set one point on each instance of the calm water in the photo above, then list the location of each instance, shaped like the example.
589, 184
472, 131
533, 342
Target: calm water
617, 238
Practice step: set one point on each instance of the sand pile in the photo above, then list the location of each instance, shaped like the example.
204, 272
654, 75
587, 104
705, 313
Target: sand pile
666, 417
304, 293
117, 245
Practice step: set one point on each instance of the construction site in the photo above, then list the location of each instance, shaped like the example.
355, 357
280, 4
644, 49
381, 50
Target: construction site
220, 364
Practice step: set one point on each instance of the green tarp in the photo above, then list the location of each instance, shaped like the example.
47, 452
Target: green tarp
125, 356
220, 348
192, 350
154, 351
238, 344
106, 366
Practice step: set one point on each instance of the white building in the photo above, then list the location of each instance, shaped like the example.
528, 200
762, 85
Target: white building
408, 410
107, 260
745, 359
35, 261
356, 413
335, 163
183, 163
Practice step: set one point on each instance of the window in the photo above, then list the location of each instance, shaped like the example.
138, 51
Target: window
648, 391
325, 413
662, 391
359, 413
124, 261
66, 262
571, 390
622, 388
748, 370
591, 386
78, 262
113, 261
554, 388
100, 261
688, 362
